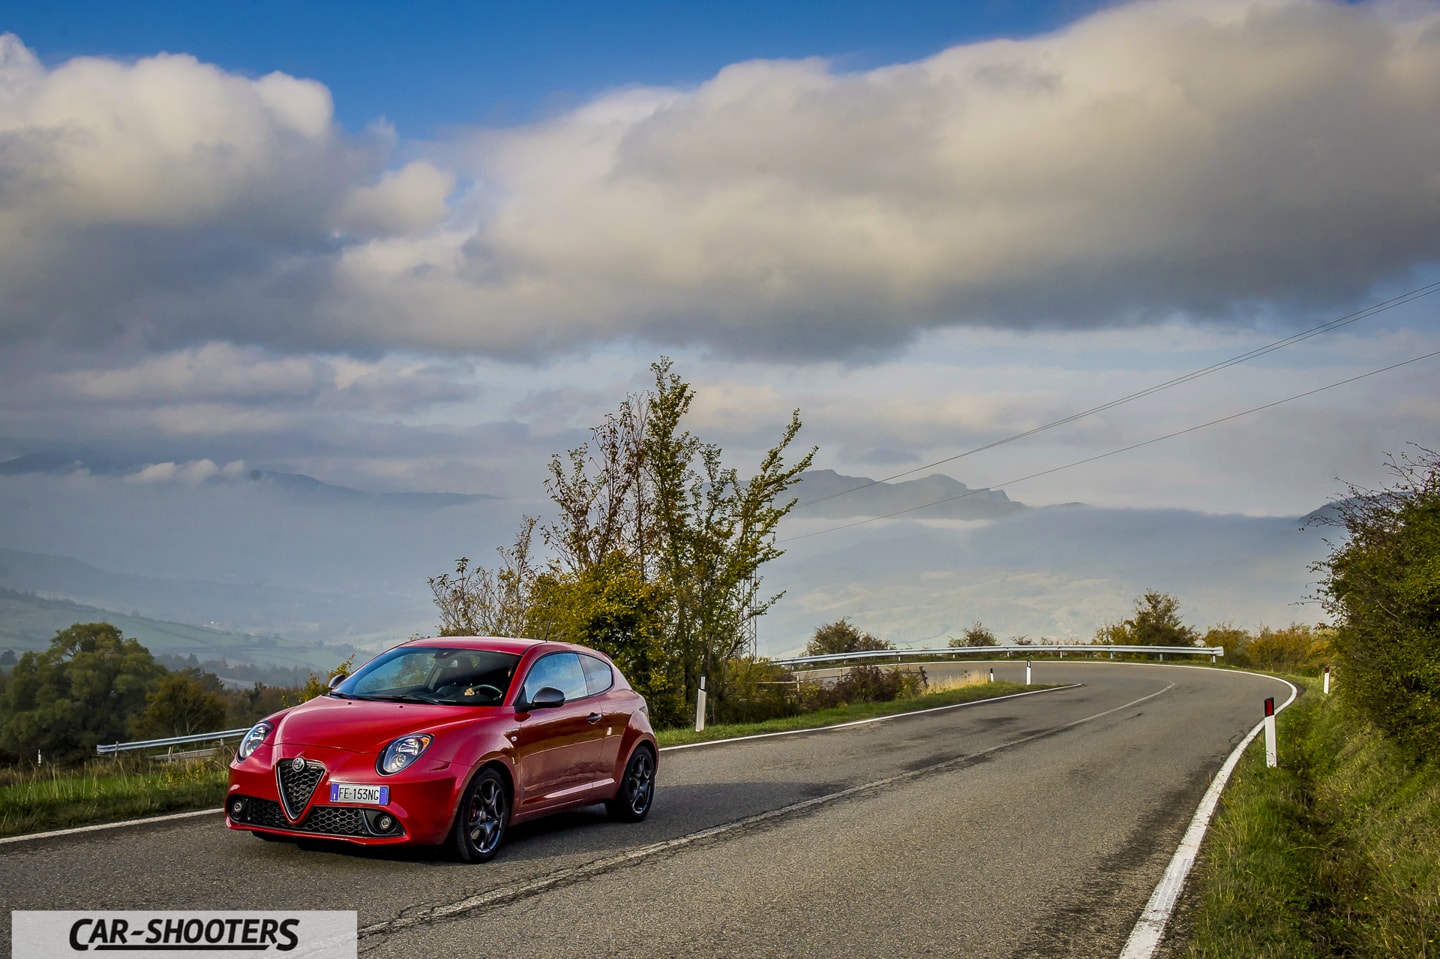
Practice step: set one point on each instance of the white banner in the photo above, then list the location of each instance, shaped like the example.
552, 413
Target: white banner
142, 934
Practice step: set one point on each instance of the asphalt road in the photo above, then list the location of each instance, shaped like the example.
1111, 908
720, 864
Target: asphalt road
1034, 826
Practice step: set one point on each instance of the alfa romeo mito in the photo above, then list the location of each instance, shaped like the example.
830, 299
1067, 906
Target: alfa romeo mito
448, 742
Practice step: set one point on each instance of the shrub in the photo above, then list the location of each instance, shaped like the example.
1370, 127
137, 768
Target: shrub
1383, 587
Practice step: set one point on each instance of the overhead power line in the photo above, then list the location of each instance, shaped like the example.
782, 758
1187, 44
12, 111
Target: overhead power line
1114, 452
1323, 328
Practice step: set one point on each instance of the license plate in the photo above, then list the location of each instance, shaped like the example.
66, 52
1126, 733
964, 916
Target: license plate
353, 793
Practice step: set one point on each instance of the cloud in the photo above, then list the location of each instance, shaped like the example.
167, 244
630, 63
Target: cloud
193, 473
1209, 160
1225, 160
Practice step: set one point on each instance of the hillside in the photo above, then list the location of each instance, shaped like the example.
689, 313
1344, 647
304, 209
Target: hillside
28, 622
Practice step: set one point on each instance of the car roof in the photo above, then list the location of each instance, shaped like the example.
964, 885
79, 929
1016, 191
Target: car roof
499, 644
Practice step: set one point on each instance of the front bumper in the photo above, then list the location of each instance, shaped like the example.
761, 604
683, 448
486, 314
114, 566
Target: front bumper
268, 793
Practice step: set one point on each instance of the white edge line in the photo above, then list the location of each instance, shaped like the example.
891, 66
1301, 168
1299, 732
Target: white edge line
1150, 927
99, 827
111, 825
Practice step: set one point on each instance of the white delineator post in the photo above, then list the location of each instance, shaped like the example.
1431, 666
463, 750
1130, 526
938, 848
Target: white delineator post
1027, 672
1270, 758
1327, 680
700, 707
992, 674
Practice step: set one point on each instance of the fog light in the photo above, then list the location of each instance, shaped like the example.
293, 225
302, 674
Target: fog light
237, 809
385, 823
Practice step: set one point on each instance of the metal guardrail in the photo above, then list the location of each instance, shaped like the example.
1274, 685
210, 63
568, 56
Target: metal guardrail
1211, 651
1032, 649
172, 741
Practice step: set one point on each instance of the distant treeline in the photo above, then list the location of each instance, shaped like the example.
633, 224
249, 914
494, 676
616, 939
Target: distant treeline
95, 686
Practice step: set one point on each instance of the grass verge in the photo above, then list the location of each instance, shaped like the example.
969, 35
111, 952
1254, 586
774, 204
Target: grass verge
107, 790
113, 790
1335, 853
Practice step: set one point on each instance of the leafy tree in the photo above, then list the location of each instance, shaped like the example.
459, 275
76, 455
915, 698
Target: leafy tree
1232, 639
83, 691
1295, 649
610, 606
183, 703
841, 636
976, 634
1156, 622
245, 707
1112, 634
317, 685
694, 531
1382, 585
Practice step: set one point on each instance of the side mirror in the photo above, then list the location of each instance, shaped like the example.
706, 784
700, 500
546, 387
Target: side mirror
547, 697
337, 679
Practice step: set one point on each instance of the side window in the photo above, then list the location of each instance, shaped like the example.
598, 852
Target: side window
598, 675
561, 670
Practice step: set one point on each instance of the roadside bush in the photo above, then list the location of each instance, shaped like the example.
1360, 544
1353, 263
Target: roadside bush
1295, 649
863, 684
1383, 587
756, 691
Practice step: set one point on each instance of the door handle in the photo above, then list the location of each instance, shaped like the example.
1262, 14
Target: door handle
593, 718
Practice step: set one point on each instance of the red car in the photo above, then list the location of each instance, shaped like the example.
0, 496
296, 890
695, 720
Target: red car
448, 741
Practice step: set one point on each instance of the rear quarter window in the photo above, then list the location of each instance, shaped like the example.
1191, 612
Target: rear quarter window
598, 674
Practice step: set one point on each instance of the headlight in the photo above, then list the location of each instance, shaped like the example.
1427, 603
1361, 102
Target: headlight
253, 739
402, 752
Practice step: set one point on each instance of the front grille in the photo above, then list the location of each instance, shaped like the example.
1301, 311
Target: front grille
296, 785
322, 820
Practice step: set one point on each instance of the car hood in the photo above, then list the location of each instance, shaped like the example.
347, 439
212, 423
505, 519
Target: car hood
367, 726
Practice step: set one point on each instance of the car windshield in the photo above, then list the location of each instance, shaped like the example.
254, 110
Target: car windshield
433, 674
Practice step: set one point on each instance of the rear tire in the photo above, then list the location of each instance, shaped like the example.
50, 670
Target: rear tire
636, 793
482, 818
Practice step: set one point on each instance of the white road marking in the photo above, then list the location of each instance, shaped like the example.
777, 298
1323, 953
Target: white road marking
1150, 927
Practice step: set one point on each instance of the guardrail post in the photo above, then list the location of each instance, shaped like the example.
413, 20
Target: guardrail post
700, 707
1270, 753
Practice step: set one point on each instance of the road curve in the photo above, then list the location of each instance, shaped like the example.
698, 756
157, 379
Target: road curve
1034, 827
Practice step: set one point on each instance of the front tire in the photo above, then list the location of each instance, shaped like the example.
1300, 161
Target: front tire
482, 819
636, 793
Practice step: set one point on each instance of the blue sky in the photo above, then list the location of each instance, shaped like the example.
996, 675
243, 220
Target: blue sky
424, 247
431, 66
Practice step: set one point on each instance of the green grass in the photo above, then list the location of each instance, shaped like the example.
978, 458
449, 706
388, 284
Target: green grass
106, 790
1334, 854
113, 790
